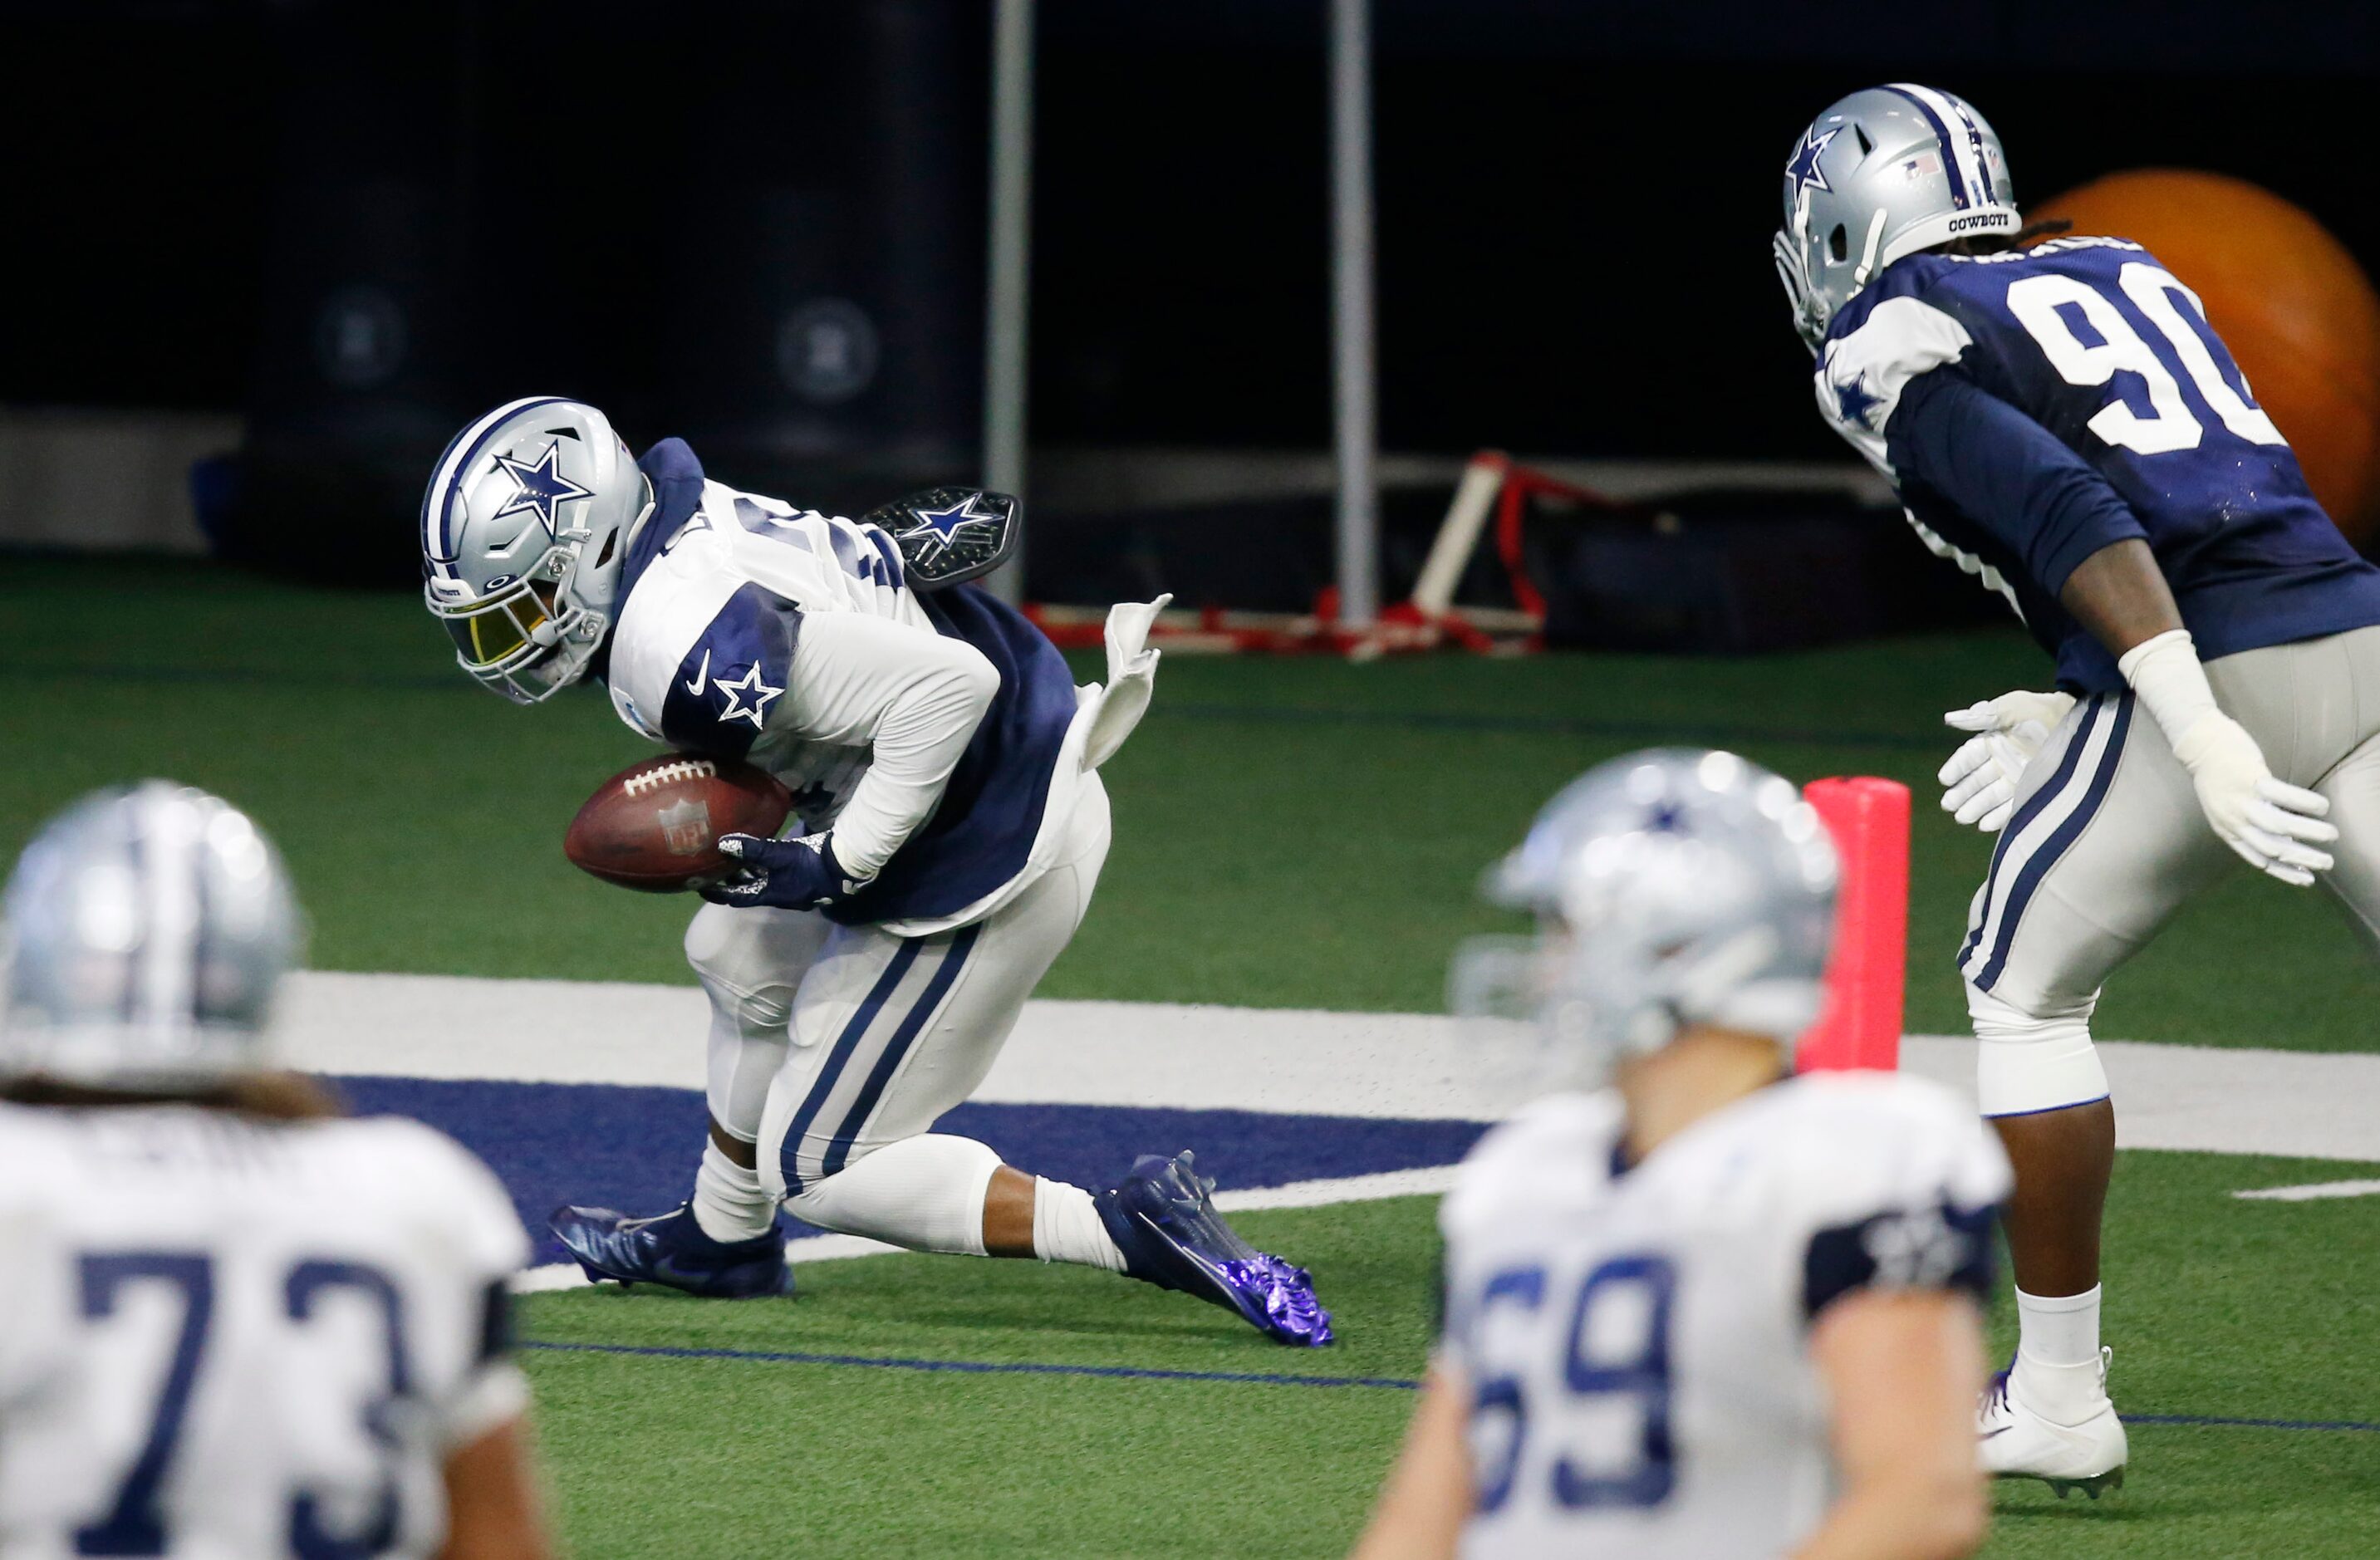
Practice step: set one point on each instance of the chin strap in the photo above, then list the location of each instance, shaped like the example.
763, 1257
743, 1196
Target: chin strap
1867, 253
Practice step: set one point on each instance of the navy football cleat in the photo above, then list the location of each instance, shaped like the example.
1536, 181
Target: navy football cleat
1163, 1217
671, 1250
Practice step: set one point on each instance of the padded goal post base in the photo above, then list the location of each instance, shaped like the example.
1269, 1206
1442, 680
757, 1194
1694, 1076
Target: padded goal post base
1866, 978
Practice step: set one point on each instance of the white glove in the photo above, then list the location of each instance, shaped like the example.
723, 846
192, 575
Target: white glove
1980, 781
2273, 827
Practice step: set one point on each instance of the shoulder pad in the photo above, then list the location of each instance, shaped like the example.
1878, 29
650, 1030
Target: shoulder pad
430, 1171
1564, 1135
948, 536
1898, 1184
1862, 371
718, 701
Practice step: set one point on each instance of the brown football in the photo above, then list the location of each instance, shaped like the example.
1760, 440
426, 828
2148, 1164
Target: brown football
655, 826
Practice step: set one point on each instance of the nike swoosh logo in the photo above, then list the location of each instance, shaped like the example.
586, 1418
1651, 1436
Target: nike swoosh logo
668, 1270
2001, 1431
1214, 1274
702, 677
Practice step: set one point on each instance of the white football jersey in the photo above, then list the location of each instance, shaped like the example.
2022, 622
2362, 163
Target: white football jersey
942, 739
224, 1337
810, 565
1635, 1338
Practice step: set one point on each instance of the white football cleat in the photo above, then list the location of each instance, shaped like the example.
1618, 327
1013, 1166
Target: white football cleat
2015, 1442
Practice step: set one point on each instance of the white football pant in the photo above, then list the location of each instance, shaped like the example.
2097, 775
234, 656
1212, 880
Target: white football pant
2107, 842
831, 1041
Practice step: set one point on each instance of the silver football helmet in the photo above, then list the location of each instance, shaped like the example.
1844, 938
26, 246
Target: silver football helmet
1673, 888
146, 928
524, 531
1884, 173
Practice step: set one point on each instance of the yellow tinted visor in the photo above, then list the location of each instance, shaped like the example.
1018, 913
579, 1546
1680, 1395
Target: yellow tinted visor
492, 633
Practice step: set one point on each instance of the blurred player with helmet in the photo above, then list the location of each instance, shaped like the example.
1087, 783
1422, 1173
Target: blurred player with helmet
2061, 421
231, 1322
1694, 1305
943, 767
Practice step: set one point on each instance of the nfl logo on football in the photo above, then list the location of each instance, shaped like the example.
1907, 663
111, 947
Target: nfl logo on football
686, 826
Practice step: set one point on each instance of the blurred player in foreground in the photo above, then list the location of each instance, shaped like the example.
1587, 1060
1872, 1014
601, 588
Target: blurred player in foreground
231, 1322
944, 770
2061, 421
1707, 1308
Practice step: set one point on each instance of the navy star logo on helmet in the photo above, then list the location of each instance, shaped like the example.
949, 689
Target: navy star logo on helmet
539, 488
1802, 167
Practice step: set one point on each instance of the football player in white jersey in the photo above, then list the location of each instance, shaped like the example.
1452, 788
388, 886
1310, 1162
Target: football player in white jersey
1710, 1308
952, 825
231, 1322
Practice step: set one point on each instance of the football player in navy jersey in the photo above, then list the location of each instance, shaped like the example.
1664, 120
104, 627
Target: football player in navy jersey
2061, 420
864, 973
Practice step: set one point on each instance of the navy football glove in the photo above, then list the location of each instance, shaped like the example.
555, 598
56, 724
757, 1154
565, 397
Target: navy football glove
788, 873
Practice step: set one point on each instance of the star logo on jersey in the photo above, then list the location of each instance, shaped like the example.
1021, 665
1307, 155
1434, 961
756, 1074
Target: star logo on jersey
748, 696
1915, 1247
539, 488
1802, 166
1853, 401
940, 528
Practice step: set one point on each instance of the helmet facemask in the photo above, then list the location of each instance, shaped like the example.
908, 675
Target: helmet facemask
531, 637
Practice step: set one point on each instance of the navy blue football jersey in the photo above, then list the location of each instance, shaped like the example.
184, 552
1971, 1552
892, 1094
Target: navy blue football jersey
2034, 407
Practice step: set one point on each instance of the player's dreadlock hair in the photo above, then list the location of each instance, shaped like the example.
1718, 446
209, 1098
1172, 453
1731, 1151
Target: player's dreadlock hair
2000, 243
266, 1096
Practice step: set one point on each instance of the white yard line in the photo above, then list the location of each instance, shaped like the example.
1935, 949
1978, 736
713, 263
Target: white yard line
2304, 1105
1432, 1180
2312, 1192
2212, 1099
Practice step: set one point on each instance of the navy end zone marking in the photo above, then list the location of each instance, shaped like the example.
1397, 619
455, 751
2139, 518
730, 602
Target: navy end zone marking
635, 1149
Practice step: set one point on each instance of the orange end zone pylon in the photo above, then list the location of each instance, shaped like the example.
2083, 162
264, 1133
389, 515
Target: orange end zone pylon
1861, 1024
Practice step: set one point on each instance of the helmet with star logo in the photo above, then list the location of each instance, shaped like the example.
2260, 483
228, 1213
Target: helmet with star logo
1882, 173
524, 532
1673, 888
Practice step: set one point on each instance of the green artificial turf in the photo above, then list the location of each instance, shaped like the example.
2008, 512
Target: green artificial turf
764, 1456
1289, 832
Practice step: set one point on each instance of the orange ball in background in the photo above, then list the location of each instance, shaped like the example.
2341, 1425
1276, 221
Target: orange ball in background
2286, 297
